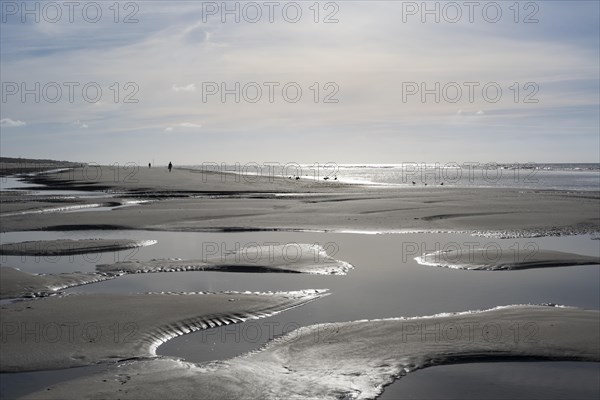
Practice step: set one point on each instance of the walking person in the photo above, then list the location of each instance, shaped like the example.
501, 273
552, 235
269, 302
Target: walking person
170, 166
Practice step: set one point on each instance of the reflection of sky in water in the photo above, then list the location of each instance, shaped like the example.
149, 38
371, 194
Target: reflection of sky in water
549, 176
17, 385
506, 380
8, 182
11, 183
386, 281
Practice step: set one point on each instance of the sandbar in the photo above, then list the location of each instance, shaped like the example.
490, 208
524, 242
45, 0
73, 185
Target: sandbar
61, 247
293, 257
496, 259
15, 283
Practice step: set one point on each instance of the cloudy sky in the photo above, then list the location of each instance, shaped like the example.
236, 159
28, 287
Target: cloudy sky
339, 81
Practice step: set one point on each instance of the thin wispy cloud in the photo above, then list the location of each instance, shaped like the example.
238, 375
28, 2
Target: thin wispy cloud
187, 88
11, 123
189, 125
184, 125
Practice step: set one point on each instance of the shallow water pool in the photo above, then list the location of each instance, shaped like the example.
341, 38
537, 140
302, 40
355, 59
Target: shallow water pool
386, 282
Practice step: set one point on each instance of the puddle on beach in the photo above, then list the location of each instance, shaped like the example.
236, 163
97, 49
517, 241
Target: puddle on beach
13, 386
386, 282
500, 380
17, 184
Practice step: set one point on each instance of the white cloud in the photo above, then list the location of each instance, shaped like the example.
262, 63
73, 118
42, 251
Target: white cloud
466, 113
189, 125
187, 88
182, 125
9, 123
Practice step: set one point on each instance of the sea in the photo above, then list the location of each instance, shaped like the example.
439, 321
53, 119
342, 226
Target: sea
552, 176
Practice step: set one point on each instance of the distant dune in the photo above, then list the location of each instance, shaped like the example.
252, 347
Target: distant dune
11, 165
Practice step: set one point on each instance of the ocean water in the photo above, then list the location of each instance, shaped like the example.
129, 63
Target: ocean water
575, 176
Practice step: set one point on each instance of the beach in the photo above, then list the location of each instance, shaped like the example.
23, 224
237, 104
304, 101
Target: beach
337, 280
309, 200
188, 200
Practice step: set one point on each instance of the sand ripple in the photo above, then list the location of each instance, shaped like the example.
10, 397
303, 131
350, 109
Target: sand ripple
77, 330
354, 360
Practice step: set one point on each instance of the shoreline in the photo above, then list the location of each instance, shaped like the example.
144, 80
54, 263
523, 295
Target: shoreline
190, 201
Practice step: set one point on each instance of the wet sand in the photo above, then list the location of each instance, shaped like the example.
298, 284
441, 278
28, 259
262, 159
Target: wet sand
496, 259
78, 330
297, 258
354, 359
17, 284
68, 247
186, 200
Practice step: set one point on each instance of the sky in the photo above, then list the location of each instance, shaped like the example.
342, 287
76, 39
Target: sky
305, 81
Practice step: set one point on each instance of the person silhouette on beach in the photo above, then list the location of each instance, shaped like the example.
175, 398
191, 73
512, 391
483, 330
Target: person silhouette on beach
170, 166
149, 165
